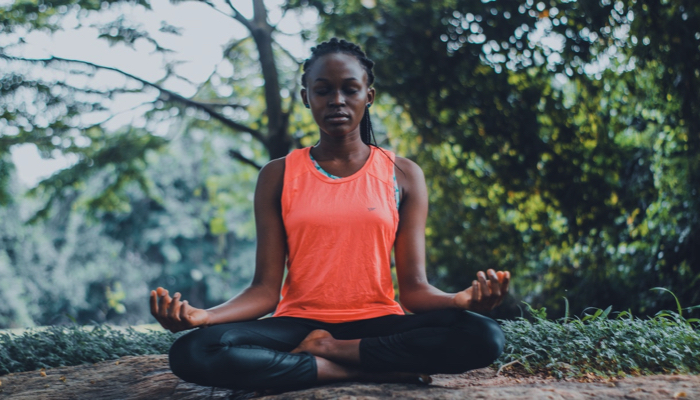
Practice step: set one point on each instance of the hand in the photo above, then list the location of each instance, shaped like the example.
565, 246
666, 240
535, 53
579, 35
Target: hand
484, 294
175, 315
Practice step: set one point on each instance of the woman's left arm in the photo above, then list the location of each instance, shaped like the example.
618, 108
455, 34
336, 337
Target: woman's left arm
415, 292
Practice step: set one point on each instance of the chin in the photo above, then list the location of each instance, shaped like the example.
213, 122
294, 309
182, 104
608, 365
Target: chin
339, 130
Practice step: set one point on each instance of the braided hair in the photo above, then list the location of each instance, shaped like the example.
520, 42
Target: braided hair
343, 46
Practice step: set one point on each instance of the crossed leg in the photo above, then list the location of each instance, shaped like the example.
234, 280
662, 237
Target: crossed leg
295, 352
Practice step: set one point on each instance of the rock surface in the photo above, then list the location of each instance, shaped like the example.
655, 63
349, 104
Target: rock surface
149, 377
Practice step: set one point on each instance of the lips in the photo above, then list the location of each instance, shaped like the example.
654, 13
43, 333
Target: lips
337, 117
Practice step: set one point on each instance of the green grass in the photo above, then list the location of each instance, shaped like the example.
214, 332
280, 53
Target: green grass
600, 346
58, 346
595, 345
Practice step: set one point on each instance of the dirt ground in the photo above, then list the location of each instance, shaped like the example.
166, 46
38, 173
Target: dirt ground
148, 377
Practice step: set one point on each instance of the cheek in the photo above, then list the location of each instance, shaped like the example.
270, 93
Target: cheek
317, 113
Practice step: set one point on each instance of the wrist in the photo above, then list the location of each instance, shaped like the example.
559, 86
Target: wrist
462, 300
454, 302
209, 318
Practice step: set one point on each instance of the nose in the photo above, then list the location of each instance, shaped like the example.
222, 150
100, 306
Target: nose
337, 99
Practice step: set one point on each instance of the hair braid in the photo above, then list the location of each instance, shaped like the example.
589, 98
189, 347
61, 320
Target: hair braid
343, 46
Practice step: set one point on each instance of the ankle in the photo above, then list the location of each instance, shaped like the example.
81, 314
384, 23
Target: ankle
324, 346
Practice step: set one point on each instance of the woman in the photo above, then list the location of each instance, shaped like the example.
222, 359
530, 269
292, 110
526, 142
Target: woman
332, 215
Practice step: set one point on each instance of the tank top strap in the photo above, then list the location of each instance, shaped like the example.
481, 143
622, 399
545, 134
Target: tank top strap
383, 166
294, 163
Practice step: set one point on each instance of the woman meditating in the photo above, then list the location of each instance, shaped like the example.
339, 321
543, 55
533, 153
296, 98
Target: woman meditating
331, 214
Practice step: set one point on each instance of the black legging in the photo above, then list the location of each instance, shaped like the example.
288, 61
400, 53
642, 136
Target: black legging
255, 354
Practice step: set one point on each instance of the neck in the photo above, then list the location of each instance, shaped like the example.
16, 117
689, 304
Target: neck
346, 147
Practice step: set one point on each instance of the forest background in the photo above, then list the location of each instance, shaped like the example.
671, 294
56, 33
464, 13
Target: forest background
560, 140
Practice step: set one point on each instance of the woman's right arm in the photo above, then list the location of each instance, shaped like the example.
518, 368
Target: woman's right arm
262, 296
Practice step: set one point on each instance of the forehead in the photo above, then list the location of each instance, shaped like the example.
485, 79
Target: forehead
336, 66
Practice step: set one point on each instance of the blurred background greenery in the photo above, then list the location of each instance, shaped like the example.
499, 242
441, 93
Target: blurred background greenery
560, 140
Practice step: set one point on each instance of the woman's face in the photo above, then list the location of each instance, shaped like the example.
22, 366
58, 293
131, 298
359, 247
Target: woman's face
337, 93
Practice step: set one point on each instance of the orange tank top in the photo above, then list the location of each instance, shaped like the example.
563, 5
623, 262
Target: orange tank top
340, 233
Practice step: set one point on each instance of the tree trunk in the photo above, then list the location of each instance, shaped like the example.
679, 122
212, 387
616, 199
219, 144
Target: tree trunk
278, 142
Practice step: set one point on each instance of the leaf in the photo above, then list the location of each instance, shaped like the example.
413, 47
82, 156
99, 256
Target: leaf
678, 303
217, 226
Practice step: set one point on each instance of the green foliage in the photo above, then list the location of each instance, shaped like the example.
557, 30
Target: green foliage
574, 165
59, 346
593, 346
6, 169
598, 346
571, 161
96, 265
65, 106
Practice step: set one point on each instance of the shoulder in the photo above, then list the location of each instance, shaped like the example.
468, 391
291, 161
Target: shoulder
409, 169
273, 168
271, 178
410, 179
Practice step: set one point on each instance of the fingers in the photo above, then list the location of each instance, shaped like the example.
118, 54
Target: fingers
476, 293
154, 303
494, 283
163, 304
488, 290
174, 310
506, 282
483, 284
154, 300
184, 311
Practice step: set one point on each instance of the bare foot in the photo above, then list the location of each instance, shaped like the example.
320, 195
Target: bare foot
313, 342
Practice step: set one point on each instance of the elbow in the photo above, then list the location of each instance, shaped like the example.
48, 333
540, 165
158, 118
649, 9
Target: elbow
409, 297
265, 298
272, 299
272, 305
408, 303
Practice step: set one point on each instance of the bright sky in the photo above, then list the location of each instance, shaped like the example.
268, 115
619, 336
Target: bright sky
205, 32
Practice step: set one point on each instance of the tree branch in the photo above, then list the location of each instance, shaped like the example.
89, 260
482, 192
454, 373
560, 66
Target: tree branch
240, 157
293, 94
290, 55
234, 45
284, 13
236, 14
239, 17
260, 13
170, 94
221, 104
117, 114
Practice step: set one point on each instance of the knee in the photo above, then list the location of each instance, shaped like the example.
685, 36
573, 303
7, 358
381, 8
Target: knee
486, 339
493, 340
191, 355
209, 358
182, 357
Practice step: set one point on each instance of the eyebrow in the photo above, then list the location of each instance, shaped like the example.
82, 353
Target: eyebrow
327, 80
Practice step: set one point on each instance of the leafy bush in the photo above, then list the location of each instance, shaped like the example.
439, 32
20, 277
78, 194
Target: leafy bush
594, 345
597, 346
58, 346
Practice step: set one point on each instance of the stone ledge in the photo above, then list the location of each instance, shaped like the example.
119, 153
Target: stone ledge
148, 377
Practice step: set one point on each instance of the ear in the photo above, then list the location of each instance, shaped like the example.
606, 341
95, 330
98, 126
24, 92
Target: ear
304, 99
370, 95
